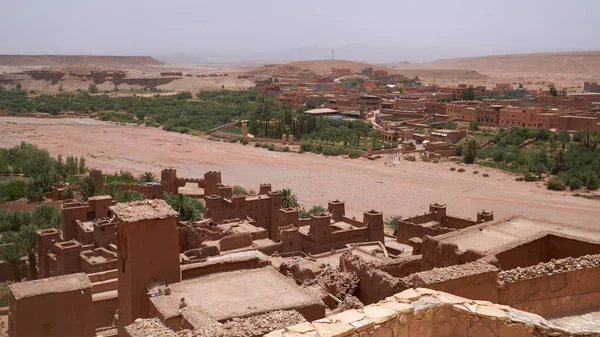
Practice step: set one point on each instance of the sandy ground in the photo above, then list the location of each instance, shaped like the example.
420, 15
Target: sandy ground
405, 190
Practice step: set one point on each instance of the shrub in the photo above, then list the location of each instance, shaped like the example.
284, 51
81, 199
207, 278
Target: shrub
410, 158
592, 181
475, 172
256, 144
575, 184
435, 161
306, 147
245, 141
237, 189
453, 169
317, 209
555, 183
485, 175
271, 147
233, 140
353, 154
461, 170
265, 146
519, 179
12, 189
530, 177
286, 149
34, 192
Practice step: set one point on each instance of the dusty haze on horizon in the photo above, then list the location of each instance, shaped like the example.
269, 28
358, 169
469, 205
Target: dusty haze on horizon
237, 30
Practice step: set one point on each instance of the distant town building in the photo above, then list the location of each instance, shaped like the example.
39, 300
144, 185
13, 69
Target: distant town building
591, 87
367, 72
341, 71
171, 73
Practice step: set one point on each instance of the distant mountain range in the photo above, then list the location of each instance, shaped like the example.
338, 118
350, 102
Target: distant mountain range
354, 52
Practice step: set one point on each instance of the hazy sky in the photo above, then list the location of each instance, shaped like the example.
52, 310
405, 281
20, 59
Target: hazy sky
432, 27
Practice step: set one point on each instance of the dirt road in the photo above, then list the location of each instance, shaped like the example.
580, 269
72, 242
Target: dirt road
403, 190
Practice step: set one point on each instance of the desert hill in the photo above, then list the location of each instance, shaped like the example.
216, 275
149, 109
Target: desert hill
61, 60
281, 70
324, 66
569, 63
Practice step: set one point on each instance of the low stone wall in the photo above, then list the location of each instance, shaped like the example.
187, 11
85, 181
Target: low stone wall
416, 312
478, 280
553, 288
424, 313
224, 127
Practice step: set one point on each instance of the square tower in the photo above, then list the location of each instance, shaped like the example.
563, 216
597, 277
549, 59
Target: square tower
148, 248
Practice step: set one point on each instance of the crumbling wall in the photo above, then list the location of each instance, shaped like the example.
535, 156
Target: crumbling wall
439, 254
235, 241
192, 236
402, 267
553, 288
374, 284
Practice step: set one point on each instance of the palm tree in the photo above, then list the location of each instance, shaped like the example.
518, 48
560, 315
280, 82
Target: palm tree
392, 222
28, 241
88, 187
147, 177
288, 199
111, 189
189, 209
11, 253
128, 196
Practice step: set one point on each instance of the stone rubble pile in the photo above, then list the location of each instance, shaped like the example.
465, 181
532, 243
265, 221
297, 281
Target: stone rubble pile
550, 268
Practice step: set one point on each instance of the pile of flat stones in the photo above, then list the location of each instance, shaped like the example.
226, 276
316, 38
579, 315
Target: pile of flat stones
550, 268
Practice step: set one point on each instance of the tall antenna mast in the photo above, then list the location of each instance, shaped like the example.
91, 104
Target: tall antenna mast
332, 54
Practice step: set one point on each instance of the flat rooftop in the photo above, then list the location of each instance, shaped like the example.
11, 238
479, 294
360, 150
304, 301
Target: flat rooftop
51, 285
241, 227
236, 294
493, 235
143, 210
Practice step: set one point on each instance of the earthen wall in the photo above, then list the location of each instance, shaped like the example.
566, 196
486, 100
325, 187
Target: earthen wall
555, 294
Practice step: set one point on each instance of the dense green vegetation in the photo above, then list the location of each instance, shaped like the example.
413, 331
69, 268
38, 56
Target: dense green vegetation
19, 238
175, 113
211, 109
315, 209
574, 160
36, 164
189, 209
